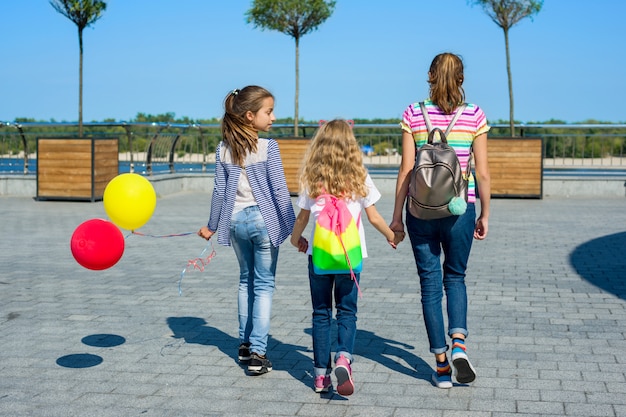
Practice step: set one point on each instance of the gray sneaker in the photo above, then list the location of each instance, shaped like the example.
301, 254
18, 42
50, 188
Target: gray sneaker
259, 364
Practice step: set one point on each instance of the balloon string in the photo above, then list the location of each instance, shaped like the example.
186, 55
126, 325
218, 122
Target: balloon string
134, 232
198, 263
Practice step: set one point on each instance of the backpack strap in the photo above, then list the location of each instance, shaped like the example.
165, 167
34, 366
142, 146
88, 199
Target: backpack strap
457, 114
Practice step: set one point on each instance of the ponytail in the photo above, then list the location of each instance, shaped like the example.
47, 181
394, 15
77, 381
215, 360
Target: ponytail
446, 82
237, 132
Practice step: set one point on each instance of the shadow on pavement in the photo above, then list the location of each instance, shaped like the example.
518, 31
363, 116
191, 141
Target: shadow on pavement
602, 262
103, 340
285, 357
79, 360
196, 330
392, 354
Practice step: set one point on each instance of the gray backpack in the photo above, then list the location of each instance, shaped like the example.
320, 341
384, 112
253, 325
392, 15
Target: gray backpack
438, 186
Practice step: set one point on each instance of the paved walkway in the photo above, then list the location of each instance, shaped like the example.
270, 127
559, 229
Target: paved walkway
547, 319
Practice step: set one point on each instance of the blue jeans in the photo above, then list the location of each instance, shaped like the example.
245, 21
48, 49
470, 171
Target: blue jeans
257, 268
453, 235
346, 296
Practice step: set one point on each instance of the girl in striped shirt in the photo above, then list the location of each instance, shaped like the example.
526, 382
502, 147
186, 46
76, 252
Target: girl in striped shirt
251, 211
453, 234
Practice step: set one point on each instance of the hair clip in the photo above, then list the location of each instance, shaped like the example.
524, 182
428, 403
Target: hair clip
321, 122
235, 92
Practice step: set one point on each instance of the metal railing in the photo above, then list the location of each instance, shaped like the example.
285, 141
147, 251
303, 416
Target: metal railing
157, 148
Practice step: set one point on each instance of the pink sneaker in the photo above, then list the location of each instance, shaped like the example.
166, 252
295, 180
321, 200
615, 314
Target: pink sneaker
322, 383
343, 372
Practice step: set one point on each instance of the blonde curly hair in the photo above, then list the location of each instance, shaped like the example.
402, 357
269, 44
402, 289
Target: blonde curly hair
333, 163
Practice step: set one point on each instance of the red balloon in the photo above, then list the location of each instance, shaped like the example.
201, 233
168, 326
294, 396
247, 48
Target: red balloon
97, 244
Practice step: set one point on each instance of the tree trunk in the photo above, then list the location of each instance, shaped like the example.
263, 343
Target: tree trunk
296, 116
508, 72
80, 84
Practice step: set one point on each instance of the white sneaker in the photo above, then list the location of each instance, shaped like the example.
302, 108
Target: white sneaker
442, 381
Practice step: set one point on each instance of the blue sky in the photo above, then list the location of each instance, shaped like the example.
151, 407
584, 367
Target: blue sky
368, 60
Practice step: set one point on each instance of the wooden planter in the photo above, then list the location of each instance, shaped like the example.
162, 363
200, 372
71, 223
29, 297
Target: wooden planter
292, 152
516, 167
75, 169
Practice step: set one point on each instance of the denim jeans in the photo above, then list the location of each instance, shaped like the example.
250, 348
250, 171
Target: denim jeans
257, 268
453, 235
346, 295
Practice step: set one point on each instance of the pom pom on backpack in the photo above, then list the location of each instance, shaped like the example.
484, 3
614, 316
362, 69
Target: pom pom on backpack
457, 206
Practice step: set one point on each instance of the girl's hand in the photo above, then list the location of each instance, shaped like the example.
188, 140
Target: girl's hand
205, 233
395, 238
303, 245
481, 229
398, 237
397, 226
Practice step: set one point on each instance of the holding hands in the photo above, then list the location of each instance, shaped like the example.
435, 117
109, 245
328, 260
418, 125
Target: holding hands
398, 236
398, 232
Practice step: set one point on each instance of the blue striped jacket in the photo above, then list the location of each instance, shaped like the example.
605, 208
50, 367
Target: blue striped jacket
269, 187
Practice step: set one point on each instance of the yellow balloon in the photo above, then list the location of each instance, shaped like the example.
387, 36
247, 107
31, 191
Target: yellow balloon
129, 200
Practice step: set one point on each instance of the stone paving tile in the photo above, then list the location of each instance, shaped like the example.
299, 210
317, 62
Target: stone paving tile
546, 316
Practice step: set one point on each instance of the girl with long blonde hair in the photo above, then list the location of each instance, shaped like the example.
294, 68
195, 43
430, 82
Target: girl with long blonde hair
333, 165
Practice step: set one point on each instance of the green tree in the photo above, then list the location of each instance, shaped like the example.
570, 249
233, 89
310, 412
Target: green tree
506, 14
83, 13
295, 18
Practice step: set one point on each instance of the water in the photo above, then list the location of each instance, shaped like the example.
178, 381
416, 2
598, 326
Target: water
16, 166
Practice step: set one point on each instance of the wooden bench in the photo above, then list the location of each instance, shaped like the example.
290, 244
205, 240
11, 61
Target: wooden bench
516, 167
75, 169
292, 152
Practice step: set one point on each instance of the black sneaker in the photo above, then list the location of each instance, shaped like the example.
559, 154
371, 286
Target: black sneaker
259, 364
244, 352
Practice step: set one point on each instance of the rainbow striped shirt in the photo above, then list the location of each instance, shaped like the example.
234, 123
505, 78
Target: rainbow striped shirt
472, 123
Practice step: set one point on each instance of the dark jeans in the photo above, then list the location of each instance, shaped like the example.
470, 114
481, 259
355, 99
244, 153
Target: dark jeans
453, 235
346, 296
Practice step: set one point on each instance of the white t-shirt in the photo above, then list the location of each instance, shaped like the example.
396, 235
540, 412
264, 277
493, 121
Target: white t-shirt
355, 206
244, 197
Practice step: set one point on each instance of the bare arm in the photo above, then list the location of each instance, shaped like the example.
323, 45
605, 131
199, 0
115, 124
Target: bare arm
402, 183
296, 235
483, 179
379, 224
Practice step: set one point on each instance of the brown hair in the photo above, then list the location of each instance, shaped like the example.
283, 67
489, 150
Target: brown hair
237, 131
446, 82
333, 163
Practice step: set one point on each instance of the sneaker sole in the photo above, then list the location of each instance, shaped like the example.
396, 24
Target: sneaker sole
258, 364
345, 385
259, 371
322, 390
440, 384
464, 371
